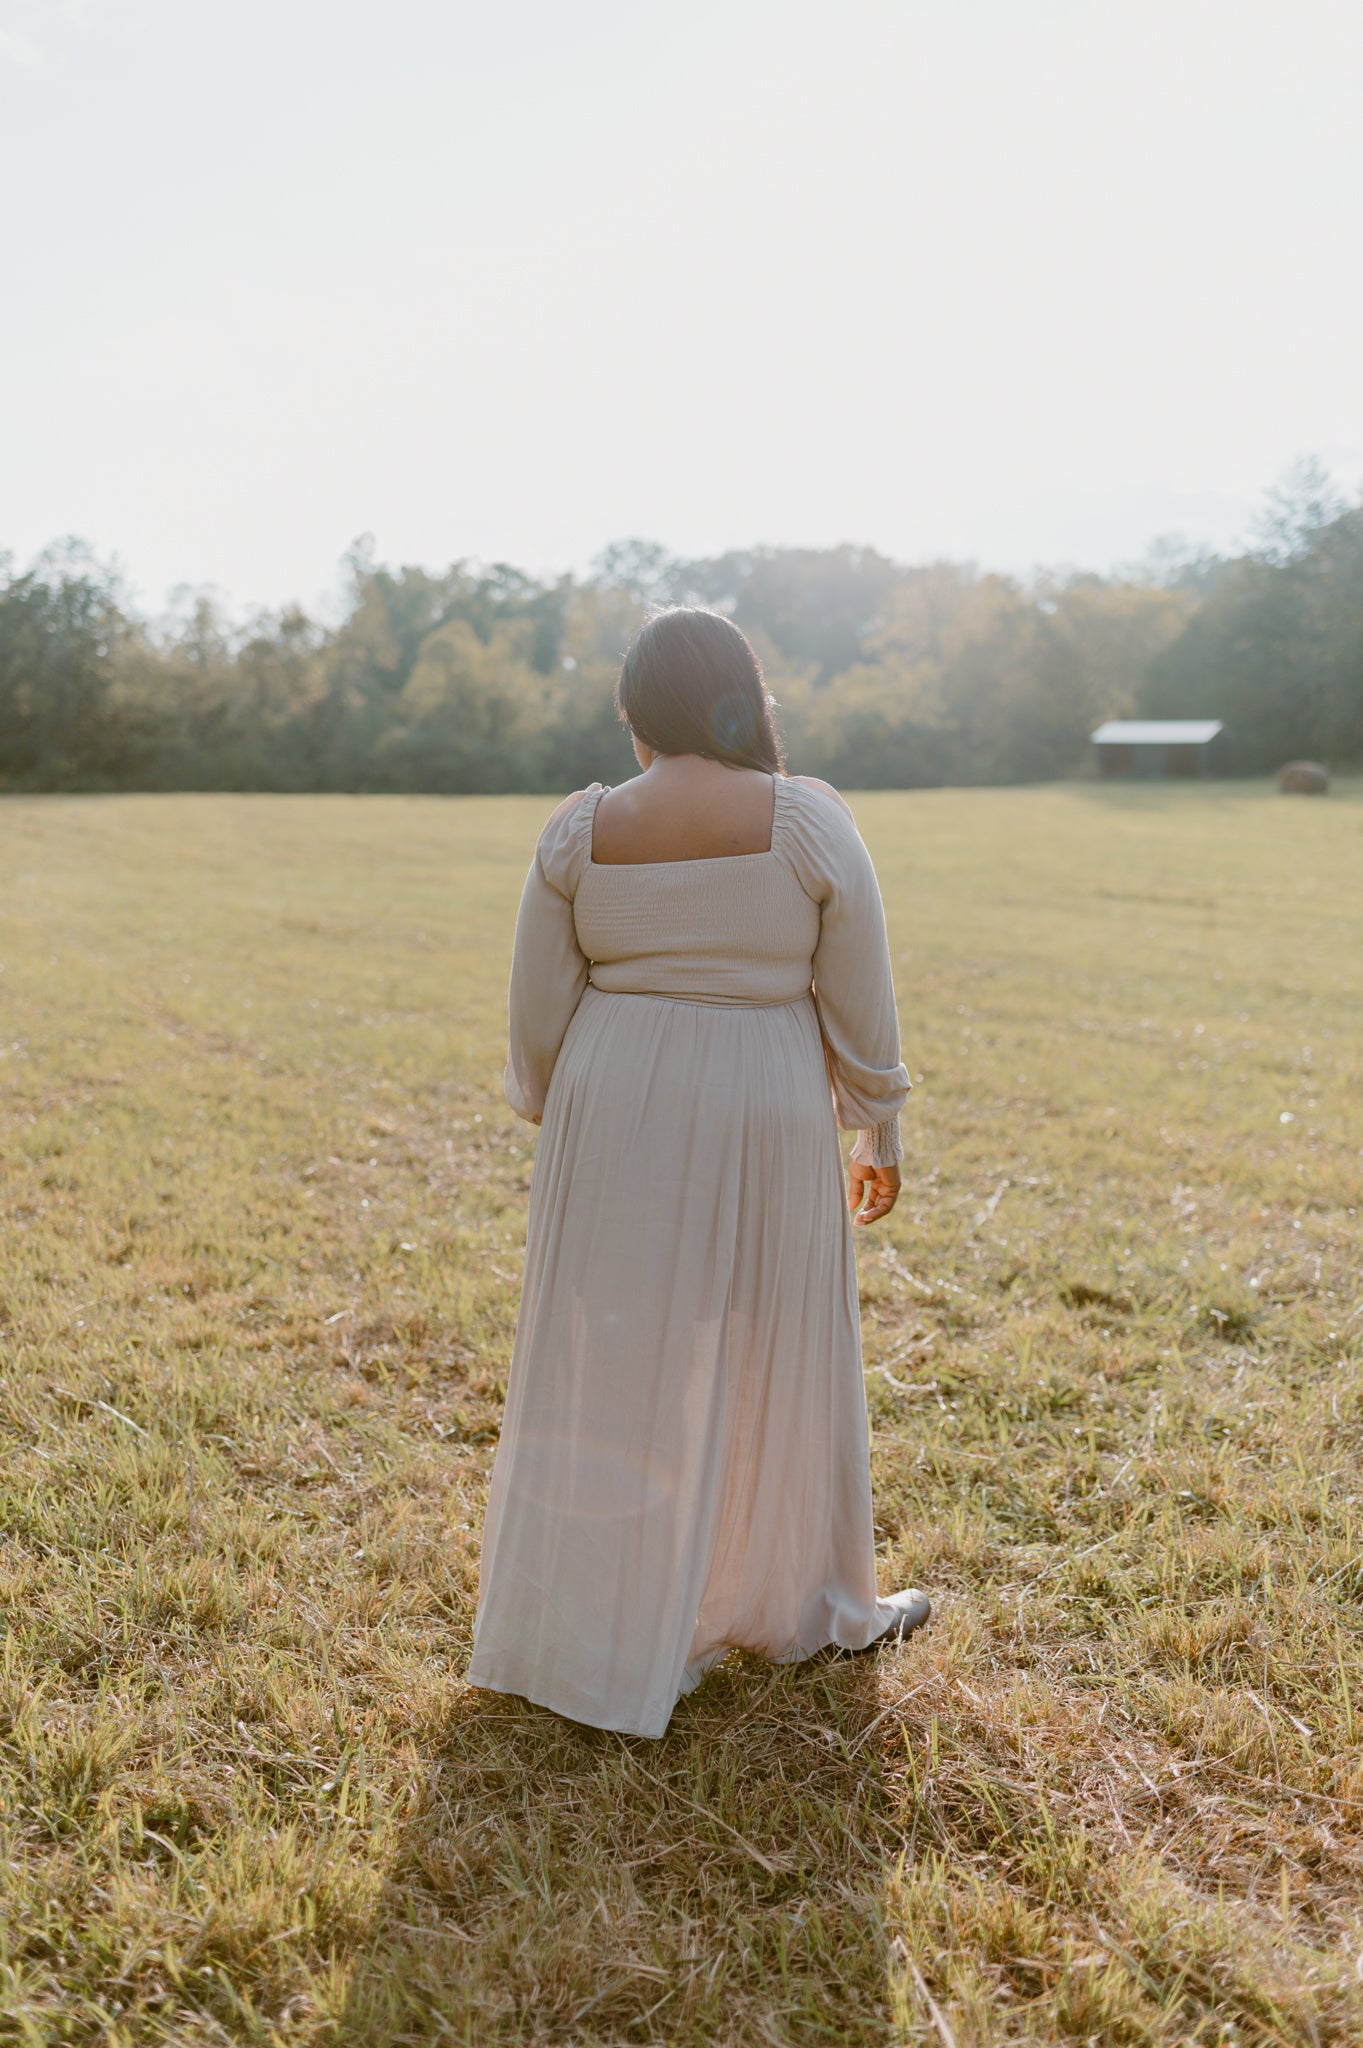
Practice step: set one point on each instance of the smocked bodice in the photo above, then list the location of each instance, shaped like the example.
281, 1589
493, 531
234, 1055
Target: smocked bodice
739, 928
803, 918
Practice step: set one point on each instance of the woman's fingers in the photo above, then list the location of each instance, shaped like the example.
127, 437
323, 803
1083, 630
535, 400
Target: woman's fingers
872, 1191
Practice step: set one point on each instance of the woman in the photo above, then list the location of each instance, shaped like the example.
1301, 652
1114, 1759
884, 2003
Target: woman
684, 1467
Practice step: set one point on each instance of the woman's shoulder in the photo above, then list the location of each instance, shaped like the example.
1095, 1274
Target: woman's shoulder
816, 811
819, 834
573, 811
822, 790
562, 812
565, 840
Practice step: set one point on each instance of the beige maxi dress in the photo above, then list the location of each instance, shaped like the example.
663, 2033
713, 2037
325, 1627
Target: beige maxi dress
684, 1465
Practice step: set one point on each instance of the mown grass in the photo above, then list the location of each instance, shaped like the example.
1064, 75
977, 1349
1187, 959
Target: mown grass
263, 1209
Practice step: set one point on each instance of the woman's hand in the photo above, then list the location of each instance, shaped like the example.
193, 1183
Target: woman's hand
872, 1191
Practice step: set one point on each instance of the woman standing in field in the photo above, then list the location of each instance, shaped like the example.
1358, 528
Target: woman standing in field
684, 1465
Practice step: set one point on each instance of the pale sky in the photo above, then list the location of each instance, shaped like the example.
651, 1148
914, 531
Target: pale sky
1020, 281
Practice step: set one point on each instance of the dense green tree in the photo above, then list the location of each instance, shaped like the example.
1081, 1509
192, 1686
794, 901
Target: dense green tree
482, 677
1275, 647
63, 627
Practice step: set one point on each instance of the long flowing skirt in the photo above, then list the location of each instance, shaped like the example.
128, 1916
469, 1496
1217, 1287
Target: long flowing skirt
684, 1465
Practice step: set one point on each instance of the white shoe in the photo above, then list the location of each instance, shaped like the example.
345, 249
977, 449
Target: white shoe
911, 1610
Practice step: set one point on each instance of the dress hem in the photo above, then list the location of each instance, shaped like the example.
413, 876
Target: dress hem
691, 1680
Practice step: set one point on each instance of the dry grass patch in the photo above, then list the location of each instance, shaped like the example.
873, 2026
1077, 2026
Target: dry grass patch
263, 1211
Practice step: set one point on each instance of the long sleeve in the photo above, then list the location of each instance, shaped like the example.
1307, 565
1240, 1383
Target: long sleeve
548, 969
853, 986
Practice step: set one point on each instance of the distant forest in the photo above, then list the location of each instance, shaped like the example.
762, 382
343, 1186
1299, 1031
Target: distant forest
479, 678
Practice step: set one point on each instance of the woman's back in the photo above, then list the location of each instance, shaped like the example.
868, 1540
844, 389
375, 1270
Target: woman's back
685, 809
731, 927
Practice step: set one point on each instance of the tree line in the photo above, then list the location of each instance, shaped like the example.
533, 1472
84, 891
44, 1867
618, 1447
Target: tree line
481, 678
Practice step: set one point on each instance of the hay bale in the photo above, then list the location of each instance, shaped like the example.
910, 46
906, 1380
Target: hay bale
1303, 778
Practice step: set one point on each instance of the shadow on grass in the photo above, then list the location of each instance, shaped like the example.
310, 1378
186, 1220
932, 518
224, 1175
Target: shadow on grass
559, 1883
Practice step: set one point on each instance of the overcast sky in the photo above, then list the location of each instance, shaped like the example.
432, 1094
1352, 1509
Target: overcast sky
1016, 280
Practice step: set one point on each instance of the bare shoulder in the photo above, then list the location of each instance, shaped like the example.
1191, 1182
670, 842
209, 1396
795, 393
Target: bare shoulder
813, 782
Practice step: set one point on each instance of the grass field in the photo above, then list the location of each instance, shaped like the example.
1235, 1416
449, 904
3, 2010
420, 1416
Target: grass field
263, 1209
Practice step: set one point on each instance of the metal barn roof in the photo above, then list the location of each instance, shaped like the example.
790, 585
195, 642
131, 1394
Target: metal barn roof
1157, 732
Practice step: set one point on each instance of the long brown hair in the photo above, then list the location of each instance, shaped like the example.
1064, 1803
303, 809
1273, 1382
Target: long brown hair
691, 684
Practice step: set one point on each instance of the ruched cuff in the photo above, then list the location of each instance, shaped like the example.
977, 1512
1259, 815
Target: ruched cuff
879, 1146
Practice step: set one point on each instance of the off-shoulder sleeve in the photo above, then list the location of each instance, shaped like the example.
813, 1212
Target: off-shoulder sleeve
852, 981
548, 969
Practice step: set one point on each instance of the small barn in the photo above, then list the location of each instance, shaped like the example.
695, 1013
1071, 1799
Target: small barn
1158, 747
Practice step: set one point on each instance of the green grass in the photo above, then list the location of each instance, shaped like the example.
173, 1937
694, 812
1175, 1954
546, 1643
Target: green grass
263, 1209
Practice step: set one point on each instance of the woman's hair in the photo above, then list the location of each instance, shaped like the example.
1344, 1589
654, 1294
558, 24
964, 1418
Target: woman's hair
691, 684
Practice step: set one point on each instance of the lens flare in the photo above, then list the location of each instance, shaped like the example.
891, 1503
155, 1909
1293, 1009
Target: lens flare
733, 724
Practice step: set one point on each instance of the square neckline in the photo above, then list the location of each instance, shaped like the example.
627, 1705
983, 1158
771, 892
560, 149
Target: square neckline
702, 860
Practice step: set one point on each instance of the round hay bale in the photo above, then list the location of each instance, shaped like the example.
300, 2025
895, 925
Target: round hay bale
1303, 778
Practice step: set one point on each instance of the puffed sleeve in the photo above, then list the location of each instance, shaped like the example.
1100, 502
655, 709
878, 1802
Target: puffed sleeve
548, 969
853, 987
